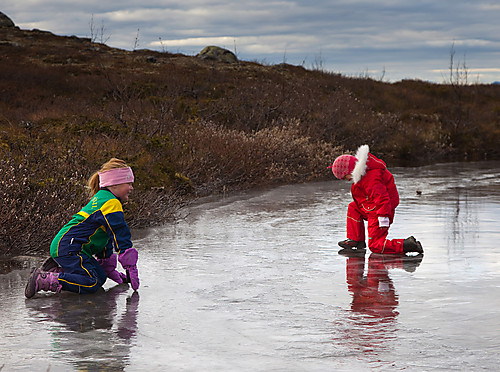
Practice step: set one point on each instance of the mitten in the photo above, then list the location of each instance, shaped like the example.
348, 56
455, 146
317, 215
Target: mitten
128, 259
109, 267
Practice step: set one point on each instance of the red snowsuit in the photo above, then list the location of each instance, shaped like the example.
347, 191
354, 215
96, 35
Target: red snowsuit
375, 195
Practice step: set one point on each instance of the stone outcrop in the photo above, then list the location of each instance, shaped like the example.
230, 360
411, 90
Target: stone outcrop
6, 21
218, 54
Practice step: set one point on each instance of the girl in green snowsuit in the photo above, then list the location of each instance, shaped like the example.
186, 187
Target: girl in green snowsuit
84, 249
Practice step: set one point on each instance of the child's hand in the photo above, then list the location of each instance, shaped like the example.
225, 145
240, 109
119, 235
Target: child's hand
128, 259
109, 267
133, 277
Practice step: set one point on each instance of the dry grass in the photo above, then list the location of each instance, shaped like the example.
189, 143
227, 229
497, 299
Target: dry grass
191, 128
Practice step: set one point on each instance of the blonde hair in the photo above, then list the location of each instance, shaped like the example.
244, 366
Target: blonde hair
93, 182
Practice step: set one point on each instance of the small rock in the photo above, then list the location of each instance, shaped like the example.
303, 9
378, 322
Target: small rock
218, 54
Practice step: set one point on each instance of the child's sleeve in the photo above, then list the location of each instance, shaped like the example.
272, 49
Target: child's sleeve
116, 227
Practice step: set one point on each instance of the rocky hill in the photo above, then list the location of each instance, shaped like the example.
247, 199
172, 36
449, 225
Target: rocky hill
192, 126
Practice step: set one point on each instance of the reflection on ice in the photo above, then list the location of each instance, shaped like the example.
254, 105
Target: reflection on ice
372, 326
91, 332
374, 293
254, 283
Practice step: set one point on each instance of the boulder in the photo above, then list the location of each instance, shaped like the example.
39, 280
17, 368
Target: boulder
218, 54
6, 21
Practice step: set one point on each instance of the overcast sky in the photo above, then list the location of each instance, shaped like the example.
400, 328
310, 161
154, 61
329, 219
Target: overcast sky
383, 39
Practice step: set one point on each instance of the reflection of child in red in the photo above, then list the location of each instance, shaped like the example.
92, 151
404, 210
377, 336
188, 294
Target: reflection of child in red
375, 200
375, 294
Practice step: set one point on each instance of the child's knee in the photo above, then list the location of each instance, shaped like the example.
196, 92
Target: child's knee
374, 247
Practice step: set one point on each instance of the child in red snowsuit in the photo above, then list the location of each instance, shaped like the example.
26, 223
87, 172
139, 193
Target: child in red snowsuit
375, 200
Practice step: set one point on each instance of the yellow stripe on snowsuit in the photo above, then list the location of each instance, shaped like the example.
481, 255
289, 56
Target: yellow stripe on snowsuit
114, 236
77, 284
84, 214
112, 206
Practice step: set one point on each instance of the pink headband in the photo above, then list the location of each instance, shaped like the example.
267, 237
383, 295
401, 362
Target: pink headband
115, 176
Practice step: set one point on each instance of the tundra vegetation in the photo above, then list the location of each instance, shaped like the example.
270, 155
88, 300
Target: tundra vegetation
194, 127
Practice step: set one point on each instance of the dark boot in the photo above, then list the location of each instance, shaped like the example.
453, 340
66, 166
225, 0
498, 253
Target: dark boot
349, 244
42, 281
349, 252
411, 263
412, 245
352, 248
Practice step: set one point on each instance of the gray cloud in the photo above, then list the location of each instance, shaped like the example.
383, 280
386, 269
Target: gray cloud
398, 38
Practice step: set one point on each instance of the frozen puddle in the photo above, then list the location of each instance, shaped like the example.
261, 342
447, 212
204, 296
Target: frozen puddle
254, 283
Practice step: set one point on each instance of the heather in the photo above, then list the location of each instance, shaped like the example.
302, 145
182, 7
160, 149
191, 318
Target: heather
192, 128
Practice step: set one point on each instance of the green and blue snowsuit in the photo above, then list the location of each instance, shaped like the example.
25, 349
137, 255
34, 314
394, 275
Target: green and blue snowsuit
97, 229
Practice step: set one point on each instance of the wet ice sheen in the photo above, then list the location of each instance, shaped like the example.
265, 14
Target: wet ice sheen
254, 283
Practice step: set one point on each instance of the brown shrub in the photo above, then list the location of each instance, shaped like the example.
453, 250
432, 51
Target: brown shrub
215, 158
191, 128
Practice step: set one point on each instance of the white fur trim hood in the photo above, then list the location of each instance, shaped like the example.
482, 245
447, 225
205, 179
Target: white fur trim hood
360, 167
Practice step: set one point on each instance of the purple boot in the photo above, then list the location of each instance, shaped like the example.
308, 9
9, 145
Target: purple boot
42, 281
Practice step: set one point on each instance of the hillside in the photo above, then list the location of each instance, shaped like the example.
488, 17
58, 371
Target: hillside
192, 127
